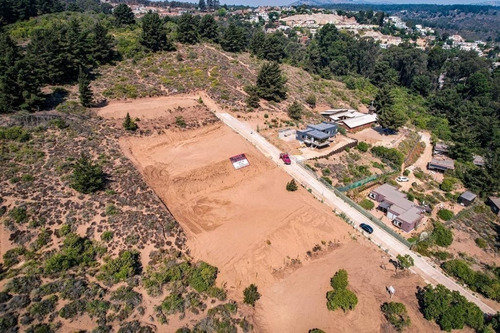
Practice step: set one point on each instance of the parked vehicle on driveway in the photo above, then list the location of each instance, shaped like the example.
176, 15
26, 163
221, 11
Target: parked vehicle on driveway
402, 179
285, 158
366, 228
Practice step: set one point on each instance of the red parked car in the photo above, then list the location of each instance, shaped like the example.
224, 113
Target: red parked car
285, 158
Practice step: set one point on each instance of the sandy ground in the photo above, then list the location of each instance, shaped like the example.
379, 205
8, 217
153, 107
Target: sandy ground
247, 224
374, 136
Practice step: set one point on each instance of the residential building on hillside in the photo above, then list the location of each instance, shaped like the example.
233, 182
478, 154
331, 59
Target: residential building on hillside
494, 203
441, 165
402, 212
318, 135
467, 198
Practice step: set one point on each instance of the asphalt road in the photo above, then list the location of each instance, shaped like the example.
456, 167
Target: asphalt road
427, 270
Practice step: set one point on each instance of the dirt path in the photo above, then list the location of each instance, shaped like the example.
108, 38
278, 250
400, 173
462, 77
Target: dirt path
228, 57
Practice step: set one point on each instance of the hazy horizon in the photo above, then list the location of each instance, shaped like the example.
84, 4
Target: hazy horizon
288, 2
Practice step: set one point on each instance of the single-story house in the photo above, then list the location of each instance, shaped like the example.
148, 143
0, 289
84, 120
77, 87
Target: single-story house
494, 203
440, 149
318, 135
466, 198
478, 161
402, 212
358, 123
441, 165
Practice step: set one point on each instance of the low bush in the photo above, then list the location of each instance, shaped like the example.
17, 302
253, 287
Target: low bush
481, 243
15, 133
441, 235
367, 204
107, 236
449, 309
340, 296
397, 315
392, 155
87, 176
291, 186
445, 214
251, 295
119, 269
363, 146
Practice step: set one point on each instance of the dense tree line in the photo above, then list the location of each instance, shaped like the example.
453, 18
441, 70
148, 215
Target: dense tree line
459, 90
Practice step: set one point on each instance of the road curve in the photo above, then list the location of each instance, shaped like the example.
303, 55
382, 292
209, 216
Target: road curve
427, 270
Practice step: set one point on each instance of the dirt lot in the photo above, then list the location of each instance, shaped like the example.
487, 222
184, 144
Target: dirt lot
245, 223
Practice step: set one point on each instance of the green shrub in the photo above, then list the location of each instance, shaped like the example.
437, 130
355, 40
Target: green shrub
291, 186
445, 214
340, 296
442, 255
339, 280
15, 133
311, 100
367, 204
179, 121
397, 315
119, 269
327, 179
173, 303
111, 210
87, 177
406, 172
251, 295
481, 243
342, 130
448, 184
19, 214
449, 309
391, 155
129, 124
441, 235
343, 298
202, 277
106, 236
363, 146
405, 261
316, 330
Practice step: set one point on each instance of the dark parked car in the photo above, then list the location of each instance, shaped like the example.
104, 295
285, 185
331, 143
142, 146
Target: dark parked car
366, 228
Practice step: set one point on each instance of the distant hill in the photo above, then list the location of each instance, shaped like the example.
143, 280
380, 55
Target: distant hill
321, 3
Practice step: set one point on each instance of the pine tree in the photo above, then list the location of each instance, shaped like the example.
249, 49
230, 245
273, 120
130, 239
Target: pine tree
257, 42
271, 83
154, 36
208, 28
202, 6
87, 177
253, 99
187, 29
233, 39
101, 44
383, 99
391, 118
123, 15
129, 124
273, 48
291, 186
86, 95
295, 111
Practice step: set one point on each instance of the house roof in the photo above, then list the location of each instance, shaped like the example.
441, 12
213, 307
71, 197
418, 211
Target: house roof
322, 126
318, 134
468, 196
411, 216
360, 121
441, 146
346, 114
446, 164
478, 160
394, 200
495, 201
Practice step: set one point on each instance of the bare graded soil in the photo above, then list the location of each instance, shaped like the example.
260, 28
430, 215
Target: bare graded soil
247, 224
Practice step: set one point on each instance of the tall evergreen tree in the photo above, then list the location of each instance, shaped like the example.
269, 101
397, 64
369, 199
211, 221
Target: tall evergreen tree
209, 29
101, 44
187, 29
271, 82
86, 95
273, 48
123, 15
391, 118
257, 42
233, 39
383, 99
154, 36
201, 5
